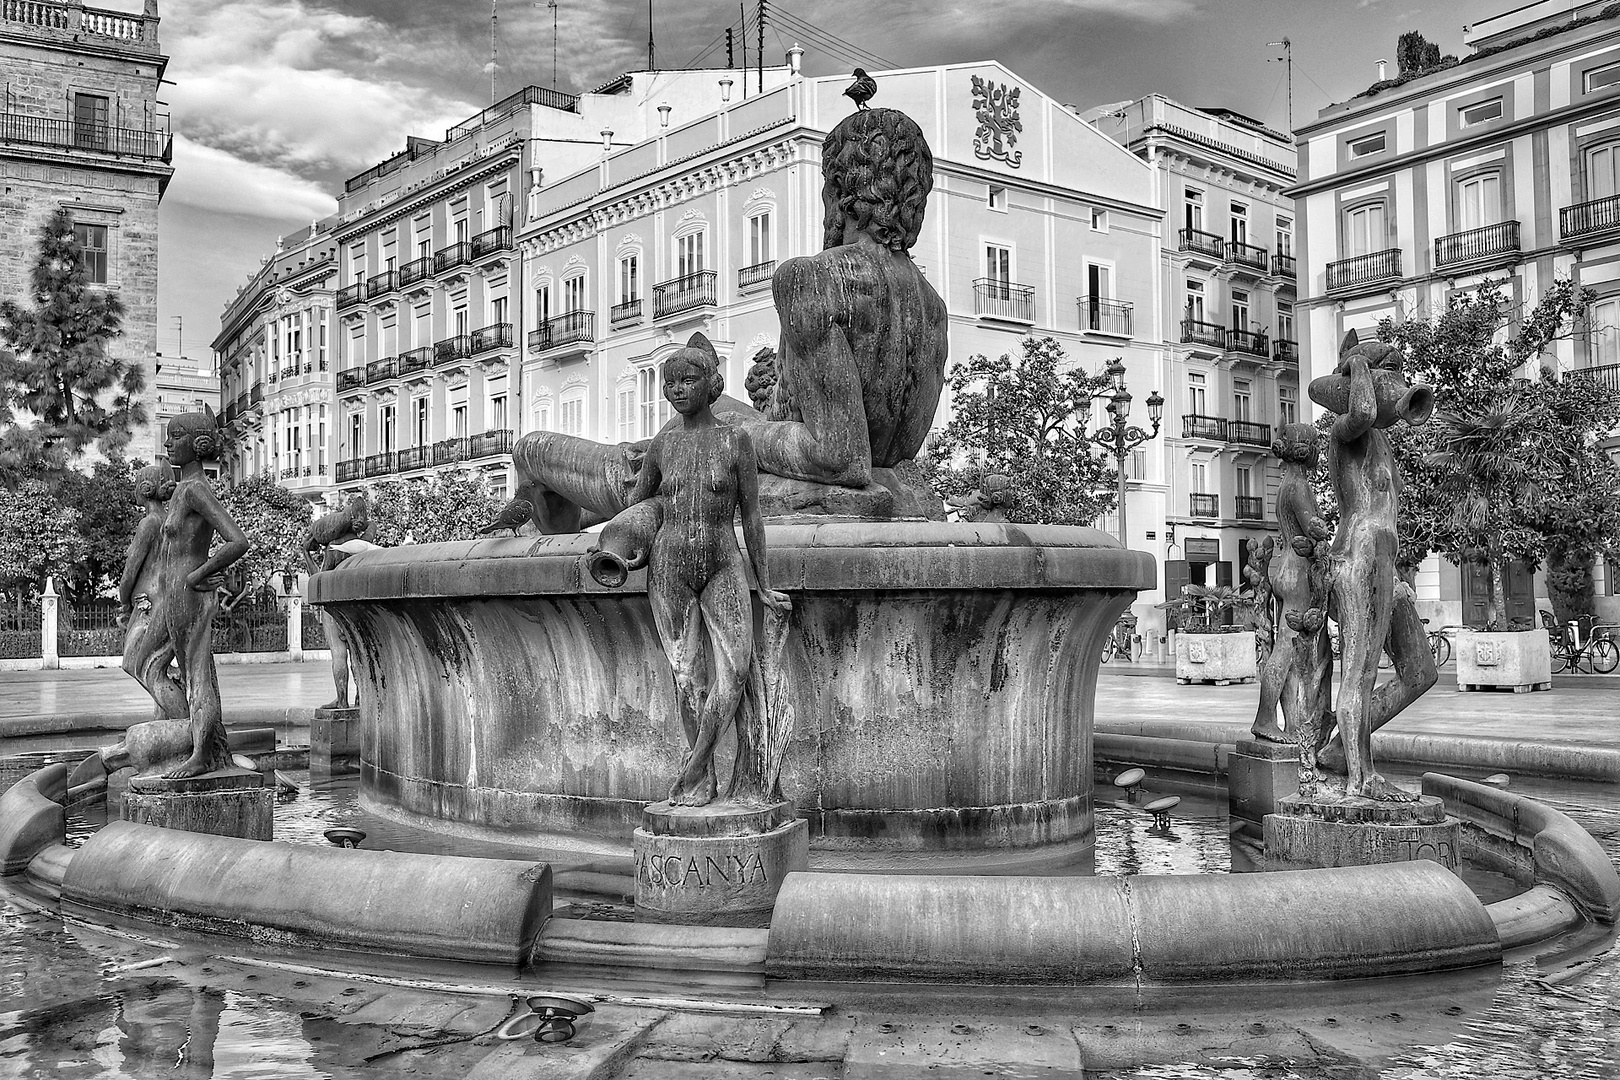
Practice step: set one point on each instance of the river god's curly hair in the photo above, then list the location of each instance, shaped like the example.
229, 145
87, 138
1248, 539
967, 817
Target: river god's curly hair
877, 171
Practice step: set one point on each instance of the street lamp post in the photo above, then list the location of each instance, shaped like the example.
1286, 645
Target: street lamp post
1119, 439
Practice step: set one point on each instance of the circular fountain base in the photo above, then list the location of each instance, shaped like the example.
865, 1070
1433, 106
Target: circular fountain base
942, 678
1306, 833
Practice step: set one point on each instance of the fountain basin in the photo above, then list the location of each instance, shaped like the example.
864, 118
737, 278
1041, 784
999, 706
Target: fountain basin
943, 675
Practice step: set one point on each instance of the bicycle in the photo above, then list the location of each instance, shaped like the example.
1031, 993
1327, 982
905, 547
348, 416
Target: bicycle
1439, 645
1581, 641
1121, 641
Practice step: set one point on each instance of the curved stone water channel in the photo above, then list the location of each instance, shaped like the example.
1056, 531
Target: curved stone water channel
85, 1002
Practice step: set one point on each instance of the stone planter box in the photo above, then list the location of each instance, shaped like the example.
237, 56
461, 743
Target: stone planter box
1520, 661
1216, 658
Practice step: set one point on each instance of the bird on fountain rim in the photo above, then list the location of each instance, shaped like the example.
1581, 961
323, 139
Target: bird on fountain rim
861, 90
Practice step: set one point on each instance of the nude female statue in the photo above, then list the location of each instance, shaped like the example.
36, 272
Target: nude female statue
189, 577
323, 550
148, 650
696, 477
1367, 393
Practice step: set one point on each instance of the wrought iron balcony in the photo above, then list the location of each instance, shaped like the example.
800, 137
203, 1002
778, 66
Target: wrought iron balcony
1605, 375
998, 299
378, 284
1198, 332
452, 348
416, 360
627, 312
494, 336
289, 472
450, 451
490, 241
1247, 255
82, 135
454, 255
1105, 316
415, 457
416, 270
1285, 352
1362, 270
351, 379
241, 403
684, 293
1205, 505
1252, 342
490, 443
759, 274
1198, 242
1199, 426
1590, 218
1476, 244
569, 328
289, 371
350, 295
256, 395
1251, 507
379, 464
231, 411
1284, 266
380, 371
1248, 433
350, 470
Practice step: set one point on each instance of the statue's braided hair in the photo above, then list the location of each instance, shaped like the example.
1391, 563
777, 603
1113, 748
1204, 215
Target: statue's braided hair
877, 171
155, 481
208, 439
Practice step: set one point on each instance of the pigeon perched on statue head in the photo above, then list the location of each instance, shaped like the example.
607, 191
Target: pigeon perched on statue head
861, 90
512, 516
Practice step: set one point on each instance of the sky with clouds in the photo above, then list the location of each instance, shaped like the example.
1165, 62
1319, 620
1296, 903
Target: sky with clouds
275, 102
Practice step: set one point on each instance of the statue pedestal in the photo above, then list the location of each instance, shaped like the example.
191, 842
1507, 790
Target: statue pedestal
1307, 832
716, 865
1259, 773
229, 802
334, 740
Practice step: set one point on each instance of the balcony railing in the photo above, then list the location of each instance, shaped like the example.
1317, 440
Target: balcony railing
1251, 508
415, 360
378, 284
380, 464
1205, 506
684, 293
1248, 433
758, 274
289, 371
454, 255
380, 371
256, 395
416, 270
1198, 332
450, 451
1199, 426
289, 472
241, 403
1284, 351
569, 328
1284, 266
490, 443
415, 457
1105, 316
350, 470
490, 241
494, 336
452, 348
1605, 375
1252, 342
350, 379
1203, 243
77, 135
1364, 270
1584, 219
1247, 255
231, 412
1004, 300
627, 312
350, 295
1475, 244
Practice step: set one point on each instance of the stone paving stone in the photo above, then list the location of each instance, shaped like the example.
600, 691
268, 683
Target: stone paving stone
699, 1037
605, 1041
952, 1050
648, 1068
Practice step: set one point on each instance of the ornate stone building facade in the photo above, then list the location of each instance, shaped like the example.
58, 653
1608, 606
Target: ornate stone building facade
80, 129
1228, 279
276, 359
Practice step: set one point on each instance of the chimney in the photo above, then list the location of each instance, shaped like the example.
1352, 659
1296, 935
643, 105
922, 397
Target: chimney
1381, 64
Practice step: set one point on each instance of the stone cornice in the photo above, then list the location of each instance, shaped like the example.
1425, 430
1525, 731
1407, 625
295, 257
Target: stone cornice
505, 157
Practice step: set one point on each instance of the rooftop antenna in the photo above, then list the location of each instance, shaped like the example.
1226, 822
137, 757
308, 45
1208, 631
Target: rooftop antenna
552, 4
1287, 58
651, 65
492, 49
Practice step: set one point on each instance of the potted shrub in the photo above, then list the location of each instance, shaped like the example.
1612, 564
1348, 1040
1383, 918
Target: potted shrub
1209, 649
